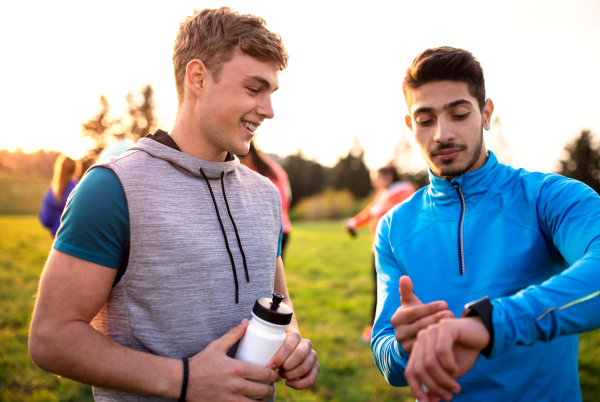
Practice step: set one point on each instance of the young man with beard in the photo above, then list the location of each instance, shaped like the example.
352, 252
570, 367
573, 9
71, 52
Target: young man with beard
164, 250
523, 246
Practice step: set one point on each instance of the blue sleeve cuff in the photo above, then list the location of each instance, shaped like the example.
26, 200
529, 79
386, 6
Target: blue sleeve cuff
279, 243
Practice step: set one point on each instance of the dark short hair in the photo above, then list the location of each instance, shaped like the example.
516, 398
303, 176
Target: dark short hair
445, 64
390, 170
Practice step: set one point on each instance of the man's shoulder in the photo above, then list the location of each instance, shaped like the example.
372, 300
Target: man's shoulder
255, 180
532, 181
412, 215
127, 159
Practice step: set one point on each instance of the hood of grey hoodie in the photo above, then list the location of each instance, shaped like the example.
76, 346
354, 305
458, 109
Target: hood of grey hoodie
185, 162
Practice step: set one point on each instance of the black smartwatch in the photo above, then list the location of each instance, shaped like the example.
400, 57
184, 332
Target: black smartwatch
482, 308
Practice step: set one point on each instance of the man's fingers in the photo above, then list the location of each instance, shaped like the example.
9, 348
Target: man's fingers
299, 355
409, 315
292, 340
406, 332
423, 367
224, 343
306, 381
430, 372
254, 372
301, 369
256, 389
443, 384
414, 365
407, 295
444, 349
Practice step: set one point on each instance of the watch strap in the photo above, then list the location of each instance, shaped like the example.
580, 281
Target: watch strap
483, 308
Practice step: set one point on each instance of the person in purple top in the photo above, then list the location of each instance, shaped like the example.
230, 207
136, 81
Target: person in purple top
63, 182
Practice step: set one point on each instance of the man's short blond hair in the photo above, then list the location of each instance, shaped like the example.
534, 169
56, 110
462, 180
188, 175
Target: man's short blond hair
212, 35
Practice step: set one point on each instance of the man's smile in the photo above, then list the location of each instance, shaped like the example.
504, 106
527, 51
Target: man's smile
250, 126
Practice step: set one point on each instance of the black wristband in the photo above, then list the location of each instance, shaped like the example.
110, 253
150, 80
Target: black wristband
186, 374
482, 308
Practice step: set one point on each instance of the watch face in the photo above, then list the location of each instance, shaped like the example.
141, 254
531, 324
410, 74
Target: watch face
466, 311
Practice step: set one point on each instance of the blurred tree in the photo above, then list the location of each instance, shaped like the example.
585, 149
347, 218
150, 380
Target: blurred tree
583, 161
140, 110
351, 173
497, 142
306, 177
138, 121
97, 128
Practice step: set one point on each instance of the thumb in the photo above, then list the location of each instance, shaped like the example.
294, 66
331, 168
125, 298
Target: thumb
407, 295
225, 342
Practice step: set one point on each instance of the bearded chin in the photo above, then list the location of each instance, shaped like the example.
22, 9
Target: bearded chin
450, 170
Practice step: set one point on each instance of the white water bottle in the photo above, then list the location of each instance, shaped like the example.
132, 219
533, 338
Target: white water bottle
266, 331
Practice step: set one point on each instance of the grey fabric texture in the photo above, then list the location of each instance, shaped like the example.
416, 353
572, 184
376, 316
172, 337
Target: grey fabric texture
178, 292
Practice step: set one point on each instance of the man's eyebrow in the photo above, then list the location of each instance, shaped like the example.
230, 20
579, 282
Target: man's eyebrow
423, 110
445, 107
261, 80
456, 103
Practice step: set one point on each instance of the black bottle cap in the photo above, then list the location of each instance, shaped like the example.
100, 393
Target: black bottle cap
273, 310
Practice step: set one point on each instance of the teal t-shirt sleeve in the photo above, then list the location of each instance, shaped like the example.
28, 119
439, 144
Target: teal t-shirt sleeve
95, 223
279, 244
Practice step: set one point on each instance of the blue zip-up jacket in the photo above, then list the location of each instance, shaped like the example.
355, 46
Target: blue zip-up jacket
531, 242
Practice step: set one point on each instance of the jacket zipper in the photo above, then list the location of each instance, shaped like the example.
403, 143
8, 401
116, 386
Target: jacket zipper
461, 256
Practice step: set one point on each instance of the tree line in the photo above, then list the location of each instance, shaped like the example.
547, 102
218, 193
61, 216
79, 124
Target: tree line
307, 177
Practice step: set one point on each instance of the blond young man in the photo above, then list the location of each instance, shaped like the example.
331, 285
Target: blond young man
161, 257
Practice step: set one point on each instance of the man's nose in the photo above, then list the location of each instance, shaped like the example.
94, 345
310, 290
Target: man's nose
443, 133
265, 108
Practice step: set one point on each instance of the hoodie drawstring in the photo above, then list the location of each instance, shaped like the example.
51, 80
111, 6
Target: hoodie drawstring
225, 235
235, 228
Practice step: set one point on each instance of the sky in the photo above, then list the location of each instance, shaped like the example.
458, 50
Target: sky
541, 61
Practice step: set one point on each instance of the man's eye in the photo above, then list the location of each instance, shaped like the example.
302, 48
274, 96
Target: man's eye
424, 123
461, 116
254, 90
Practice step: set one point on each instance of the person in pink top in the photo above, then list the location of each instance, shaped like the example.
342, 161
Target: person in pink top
391, 190
261, 163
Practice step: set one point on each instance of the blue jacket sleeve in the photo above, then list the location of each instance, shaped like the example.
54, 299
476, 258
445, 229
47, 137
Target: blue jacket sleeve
567, 303
387, 352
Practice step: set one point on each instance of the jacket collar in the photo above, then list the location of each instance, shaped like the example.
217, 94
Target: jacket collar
471, 183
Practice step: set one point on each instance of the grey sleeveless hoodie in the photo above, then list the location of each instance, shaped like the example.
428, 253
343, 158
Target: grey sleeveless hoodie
197, 262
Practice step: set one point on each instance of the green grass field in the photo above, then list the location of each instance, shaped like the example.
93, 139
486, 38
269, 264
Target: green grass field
329, 280
21, 194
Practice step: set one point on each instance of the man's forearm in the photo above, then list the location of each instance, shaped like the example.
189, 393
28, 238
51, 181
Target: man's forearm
280, 286
77, 351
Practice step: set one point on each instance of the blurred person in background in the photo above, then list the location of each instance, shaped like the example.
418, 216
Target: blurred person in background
391, 190
64, 180
259, 162
116, 148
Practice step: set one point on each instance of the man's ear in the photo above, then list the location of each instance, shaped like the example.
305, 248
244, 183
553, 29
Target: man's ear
488, 109
196, 76
408, 122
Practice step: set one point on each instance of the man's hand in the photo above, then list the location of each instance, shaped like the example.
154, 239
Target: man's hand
443, 353
297, 361
214, 376
350, 226
413, 316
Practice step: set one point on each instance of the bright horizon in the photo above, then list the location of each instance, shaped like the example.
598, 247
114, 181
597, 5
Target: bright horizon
540, 59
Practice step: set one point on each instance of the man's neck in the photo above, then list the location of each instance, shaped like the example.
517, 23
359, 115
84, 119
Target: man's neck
189, 139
